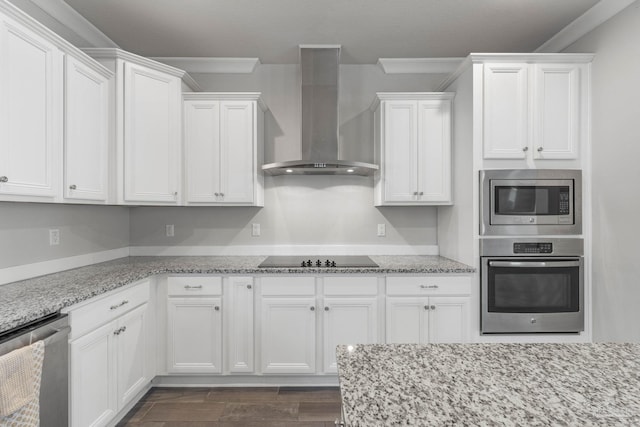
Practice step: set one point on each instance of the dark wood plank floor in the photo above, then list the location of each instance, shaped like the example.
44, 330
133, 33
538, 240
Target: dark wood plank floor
236, 407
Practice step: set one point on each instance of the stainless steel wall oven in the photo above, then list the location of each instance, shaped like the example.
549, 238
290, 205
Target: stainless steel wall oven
531, 201
532, 285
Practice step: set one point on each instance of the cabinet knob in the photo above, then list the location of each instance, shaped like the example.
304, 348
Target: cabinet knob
216, 194
217, 308
249, 286
415, 193
421, 193
312, 308
124, 328
175, 193
540, 148
221, 194
4, 179
525, 148
326, 309
426, 307
433, 307
72, 187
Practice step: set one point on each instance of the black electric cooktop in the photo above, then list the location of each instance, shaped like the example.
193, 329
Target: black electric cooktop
317, 261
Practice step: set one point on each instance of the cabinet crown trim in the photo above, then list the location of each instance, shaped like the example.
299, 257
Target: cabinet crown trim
115, 53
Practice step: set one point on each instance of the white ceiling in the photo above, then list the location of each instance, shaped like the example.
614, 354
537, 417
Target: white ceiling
271, 30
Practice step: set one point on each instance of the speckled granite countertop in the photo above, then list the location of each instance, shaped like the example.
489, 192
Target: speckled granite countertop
490, 384
27, 300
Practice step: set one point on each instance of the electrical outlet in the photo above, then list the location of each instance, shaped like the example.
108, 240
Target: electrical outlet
169, 230
255, 230
382, 230
54, 237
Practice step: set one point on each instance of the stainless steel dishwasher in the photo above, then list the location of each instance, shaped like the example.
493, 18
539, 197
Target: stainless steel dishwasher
54, 389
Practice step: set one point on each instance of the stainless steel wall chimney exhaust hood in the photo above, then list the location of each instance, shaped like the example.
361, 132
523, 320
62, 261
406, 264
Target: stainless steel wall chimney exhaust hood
319, 71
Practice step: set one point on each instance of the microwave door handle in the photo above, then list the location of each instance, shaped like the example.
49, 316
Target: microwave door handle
534, 264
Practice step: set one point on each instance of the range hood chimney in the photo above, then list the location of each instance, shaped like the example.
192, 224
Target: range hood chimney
319, 70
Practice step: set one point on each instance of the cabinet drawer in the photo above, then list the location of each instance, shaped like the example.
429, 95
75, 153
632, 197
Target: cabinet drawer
90, 316
429, 285
288, 286
350, 285
192, 286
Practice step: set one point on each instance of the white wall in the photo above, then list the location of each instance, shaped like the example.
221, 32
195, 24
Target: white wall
24, 231
616, 175
317, 210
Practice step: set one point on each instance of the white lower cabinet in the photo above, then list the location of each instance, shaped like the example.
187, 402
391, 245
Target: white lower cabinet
194, 325
427, 320
238, 329
428, 309
109, 351
288, 325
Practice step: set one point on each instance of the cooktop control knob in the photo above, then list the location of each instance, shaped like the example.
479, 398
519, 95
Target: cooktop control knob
318, 263
309, 263
304, 264
327, 263
333, 263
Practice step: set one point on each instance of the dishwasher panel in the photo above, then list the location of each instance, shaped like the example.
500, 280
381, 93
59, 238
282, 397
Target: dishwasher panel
54, 388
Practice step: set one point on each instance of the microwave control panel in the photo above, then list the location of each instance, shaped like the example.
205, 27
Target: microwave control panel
533, 248
563, 201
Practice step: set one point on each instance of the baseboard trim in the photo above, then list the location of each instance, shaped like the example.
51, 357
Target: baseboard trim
28, 271
328, 380
257, 250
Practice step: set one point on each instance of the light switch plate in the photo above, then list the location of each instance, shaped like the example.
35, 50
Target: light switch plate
255, 230
170, 231
382, 230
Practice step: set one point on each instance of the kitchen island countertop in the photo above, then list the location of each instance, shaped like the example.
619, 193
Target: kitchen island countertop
490, 384
27, 300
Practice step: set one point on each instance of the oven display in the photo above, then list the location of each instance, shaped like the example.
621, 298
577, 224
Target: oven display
533, 248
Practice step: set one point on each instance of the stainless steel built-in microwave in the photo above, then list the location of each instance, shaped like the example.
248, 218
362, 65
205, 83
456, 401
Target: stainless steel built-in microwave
531, 201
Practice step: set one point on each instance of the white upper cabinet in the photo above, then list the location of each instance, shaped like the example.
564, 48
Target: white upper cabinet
86, 141
223, 137
146, 127
30, 113
413, 147
151, 135
534, 110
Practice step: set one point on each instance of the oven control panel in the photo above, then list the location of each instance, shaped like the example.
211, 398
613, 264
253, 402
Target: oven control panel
533, 248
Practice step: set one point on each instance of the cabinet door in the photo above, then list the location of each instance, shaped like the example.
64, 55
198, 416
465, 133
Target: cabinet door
505, 115
288, 335
407, 320
239, 329
556, 112
93, 373
85, 136
194, 335
347, 321
434, 151
237, 151
131, 344
151, 135
30, 112
400, 149
449, 319
202, 151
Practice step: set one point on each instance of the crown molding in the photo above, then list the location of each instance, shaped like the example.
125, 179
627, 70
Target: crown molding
592, 18
419, 65
212, 65
115, 53
70, 18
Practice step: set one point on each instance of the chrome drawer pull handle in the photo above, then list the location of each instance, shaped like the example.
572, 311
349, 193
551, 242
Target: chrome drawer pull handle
426, 307
4, 179
525, 148
429, 286
540, 148
433, 307
113, 307
249, 286
312, 308
72, 187
193, 287
217, 308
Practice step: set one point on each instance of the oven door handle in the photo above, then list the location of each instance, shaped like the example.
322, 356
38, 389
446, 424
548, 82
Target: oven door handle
534, 264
